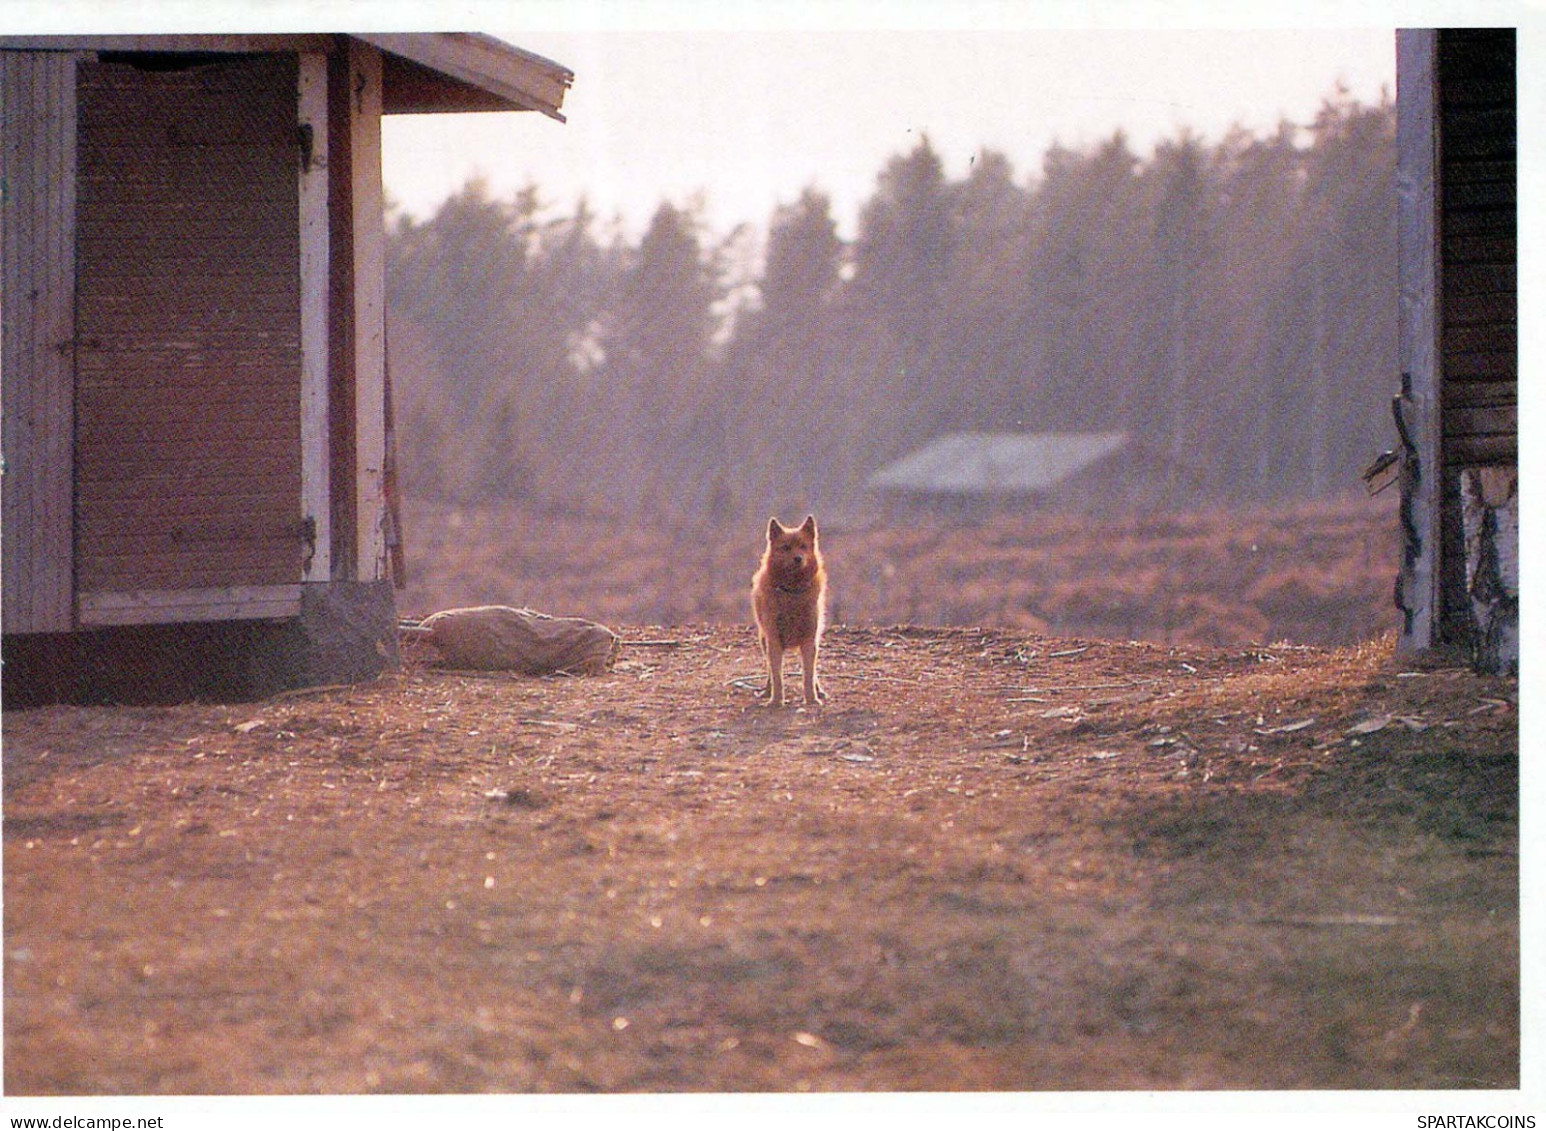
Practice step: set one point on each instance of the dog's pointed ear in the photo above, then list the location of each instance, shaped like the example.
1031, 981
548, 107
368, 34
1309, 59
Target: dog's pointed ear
809, 525
774, 527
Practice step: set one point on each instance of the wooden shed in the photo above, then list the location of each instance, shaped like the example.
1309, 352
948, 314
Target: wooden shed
195, 374
1457, 411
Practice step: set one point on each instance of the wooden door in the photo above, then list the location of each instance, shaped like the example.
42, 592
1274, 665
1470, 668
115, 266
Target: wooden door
188, 330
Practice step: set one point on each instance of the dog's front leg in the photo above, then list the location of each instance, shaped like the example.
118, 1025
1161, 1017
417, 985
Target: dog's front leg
813, 692
775, 656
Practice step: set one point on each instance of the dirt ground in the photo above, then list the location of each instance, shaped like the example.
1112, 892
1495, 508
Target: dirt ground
993, 861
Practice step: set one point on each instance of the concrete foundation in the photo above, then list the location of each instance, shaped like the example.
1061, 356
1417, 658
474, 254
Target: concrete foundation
346, 633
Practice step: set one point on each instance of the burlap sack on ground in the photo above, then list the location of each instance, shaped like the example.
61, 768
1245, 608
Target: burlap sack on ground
499, 638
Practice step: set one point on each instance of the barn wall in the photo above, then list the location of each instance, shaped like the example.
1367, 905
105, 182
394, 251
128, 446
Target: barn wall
1480, 303
1479, 217
1457, 148
37, 221
188, 309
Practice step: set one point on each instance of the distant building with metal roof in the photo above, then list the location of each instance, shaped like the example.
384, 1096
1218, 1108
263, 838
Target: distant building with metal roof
967, 472
978, 463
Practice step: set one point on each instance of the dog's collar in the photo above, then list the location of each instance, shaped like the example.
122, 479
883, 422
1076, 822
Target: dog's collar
796, 589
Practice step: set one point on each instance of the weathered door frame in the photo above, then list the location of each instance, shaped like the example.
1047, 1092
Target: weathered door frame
1421, 322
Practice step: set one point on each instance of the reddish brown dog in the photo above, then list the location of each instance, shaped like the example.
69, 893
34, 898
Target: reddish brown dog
789, 603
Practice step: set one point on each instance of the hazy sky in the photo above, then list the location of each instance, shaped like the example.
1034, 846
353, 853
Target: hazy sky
746, 102
748, 118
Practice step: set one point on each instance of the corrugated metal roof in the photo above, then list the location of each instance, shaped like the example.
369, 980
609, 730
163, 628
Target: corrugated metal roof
977, 463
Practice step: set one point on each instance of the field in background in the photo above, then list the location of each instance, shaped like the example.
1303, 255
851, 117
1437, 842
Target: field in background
1312, 574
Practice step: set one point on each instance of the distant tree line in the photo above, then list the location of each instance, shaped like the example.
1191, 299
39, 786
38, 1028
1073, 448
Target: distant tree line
1233, 306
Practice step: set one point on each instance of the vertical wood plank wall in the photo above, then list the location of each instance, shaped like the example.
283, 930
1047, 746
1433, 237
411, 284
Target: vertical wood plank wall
1480, 335
316, 498
1417, 165
1480, 298
189, 363
369, 313
37, 167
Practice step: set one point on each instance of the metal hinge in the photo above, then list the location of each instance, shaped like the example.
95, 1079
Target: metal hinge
308, 534
1408, 459
307, 140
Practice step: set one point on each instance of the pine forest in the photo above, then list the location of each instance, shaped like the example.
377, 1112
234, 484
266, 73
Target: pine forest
1230, 306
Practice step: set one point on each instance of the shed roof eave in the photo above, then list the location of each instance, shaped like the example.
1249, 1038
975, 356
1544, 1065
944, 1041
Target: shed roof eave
507, 77
436, 72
